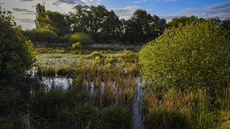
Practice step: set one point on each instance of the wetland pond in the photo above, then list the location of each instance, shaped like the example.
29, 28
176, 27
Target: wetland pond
96, 85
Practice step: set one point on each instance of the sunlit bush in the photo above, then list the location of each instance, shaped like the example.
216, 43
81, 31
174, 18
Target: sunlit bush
193, 56
41, 35
83, 38
76, 46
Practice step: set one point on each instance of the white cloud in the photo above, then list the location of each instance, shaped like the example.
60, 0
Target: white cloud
126, 12
221, 10
72, 2
139, 1
22, 10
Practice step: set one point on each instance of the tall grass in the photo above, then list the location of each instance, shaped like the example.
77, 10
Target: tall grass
195, 107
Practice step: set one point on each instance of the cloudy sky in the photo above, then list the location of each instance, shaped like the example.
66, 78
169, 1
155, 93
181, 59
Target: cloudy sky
24, 10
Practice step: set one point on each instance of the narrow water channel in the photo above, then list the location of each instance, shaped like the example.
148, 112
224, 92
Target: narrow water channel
137, 108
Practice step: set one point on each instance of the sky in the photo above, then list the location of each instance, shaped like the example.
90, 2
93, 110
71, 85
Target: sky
24, 10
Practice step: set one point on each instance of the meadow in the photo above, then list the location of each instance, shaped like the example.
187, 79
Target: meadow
111, 79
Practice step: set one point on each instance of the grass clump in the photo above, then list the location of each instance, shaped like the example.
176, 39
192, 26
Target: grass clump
163, 119
93, 55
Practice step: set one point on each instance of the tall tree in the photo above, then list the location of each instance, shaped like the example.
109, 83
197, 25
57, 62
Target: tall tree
158, 25
58, 22
42, 20
79, 19
96, 21
104, 24
143, 27
226, 26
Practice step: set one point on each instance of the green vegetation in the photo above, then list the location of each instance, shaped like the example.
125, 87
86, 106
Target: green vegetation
93, 55
193, 56
83, 38
191, 109
167, 119
76, 46
95, 24
41, 35
186, 69
16, 52
16, 58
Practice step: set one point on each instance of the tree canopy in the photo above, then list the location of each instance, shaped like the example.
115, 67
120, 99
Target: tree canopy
102, 24
196, 55
16, 52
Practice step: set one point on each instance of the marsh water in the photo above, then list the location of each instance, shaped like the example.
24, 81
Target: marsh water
63, 82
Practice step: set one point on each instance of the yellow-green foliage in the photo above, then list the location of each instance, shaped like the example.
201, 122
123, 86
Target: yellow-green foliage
93, 55
190, 56
76, 45
84, 38
49, 50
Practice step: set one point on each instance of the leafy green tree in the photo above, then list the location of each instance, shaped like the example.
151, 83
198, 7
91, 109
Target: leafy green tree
137, 28
158, 26
196, 55
58, 22
96, 21
42, 20
52, 21
226, 26
143, 27
79, 19
16, 57
109, 24
182, 21
16, 54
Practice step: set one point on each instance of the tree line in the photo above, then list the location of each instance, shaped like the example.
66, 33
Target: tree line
104, 26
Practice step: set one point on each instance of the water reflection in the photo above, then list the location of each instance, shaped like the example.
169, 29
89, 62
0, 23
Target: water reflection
61, 82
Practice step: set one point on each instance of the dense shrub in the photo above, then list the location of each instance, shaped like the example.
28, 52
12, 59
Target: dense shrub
163, 119
16, 58
117, 117
81, 117
83, 38
48, 104
16, 53
196, 55
41, 35
66, 120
